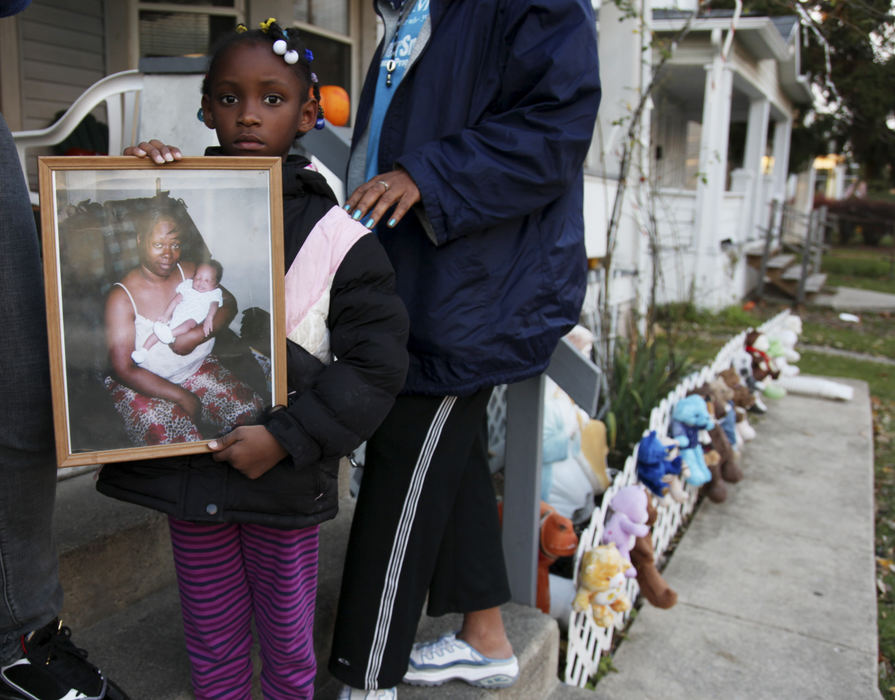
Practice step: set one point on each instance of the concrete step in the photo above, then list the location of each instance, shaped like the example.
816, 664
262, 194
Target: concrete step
122, 603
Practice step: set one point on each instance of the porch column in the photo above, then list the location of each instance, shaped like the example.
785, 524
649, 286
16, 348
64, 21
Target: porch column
782, 139
712, 180
756, 142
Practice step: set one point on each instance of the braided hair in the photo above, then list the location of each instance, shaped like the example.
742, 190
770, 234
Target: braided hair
284, 42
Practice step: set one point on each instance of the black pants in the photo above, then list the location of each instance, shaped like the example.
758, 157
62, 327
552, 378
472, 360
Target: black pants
426, 521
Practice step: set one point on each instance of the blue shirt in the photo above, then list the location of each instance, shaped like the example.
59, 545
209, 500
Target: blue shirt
402, 45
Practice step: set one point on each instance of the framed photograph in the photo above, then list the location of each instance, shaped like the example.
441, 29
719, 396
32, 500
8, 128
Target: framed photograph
164, 289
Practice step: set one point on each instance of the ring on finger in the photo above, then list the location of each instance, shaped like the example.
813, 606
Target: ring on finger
384, 184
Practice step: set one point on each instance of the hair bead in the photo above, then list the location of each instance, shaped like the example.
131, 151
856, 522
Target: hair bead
291, 56
280, 47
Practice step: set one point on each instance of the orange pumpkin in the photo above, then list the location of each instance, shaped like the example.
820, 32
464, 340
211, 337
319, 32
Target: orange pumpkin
336, 104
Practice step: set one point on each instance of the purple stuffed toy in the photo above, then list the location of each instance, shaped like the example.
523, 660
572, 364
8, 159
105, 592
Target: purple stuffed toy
627, 522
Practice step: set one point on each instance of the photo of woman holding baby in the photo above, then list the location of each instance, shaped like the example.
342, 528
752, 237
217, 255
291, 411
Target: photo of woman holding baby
165, 382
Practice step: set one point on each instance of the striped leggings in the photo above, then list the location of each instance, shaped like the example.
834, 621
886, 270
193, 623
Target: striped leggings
226, 573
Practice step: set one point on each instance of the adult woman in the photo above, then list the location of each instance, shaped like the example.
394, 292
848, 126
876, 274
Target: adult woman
181, 386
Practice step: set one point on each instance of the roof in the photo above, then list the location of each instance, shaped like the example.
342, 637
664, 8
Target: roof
762, 36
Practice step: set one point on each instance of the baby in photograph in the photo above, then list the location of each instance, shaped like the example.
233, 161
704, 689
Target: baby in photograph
197, 300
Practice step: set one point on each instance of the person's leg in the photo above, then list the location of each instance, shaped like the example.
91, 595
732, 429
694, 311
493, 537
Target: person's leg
470, 575
187, 325
282, 571
226, 401
470, 578
31, 595
151, 421
411, 479
35, 651
217, 608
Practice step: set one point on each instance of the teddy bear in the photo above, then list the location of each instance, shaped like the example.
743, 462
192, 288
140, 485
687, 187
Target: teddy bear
574, 449
660, 467
627, 522
743, 401
601, 585
763, 366
690, 415
557, 538
652, 586
717, 395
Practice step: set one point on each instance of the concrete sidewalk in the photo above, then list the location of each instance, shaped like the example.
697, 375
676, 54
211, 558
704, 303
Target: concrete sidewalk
776, 585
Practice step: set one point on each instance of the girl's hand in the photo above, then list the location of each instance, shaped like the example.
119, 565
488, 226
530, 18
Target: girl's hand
369, 202
155, 150
249, 448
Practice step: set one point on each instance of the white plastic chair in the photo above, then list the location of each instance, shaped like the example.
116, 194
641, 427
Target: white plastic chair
121, 94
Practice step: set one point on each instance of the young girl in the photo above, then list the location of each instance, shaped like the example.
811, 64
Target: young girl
244, 518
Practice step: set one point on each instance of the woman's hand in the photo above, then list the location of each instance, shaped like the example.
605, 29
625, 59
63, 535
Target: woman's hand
249, 448
369, 202
154, 149
190, 404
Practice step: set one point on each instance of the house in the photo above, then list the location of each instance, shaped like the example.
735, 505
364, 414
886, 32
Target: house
709, 155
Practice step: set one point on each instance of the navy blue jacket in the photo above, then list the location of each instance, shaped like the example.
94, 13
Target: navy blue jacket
493, 122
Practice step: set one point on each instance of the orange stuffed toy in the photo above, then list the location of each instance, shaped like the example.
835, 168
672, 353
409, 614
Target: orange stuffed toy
557, 539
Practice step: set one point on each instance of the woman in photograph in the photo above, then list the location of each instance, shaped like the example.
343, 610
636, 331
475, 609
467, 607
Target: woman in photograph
180, 392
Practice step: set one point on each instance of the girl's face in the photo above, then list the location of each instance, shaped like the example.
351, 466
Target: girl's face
205, 278
256, 102
160, 248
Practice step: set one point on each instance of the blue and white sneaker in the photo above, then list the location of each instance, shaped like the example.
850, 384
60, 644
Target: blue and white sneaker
449, 658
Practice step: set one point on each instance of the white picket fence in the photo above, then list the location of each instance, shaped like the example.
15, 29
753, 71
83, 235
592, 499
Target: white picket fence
586, 641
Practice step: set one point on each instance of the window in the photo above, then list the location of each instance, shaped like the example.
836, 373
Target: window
185, 27
325, 27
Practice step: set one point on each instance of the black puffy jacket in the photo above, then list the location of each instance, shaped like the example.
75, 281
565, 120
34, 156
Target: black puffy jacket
333, 405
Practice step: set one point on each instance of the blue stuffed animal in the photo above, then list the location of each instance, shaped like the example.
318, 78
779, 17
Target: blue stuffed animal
690, 415
657, 466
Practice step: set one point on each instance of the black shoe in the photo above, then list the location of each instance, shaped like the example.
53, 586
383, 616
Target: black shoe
53, 668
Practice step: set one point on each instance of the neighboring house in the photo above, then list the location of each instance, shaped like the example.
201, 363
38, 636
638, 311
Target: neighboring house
713, 147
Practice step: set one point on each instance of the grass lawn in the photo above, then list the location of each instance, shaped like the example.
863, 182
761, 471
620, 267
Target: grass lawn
863, 268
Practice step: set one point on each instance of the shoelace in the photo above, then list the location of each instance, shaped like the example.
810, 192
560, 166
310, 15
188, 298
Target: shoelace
440, 647
69, 661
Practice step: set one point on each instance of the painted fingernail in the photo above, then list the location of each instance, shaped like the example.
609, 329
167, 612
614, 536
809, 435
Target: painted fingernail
158, 159
169, 157
392, 222
369, 222
347, 207
357, 214
213, 444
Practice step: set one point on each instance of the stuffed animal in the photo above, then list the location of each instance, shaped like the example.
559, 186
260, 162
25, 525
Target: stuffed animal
689, 416
715, 489
628, 520
660, 467
556, 539
574, 451
652, 586
601, 585
757, 345
717, 394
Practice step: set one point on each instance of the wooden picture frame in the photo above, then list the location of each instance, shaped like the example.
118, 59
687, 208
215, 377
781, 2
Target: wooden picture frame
119, 235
